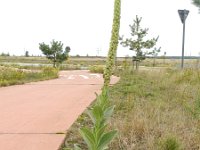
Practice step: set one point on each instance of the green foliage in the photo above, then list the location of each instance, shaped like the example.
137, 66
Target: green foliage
154, 53
197, 107
196, 3
50, 71
113, 43
137, 43
185, 76
97, 138
27, 54
76, 147
170, 143
97, 69
194, 108
4, 54
55, 52
12, 76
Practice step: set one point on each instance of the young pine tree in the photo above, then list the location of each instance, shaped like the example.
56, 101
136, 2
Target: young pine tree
137, 42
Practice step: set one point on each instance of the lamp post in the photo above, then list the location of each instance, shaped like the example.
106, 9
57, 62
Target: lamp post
183, 15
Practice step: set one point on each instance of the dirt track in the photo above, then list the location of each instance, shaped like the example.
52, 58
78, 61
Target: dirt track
32, 114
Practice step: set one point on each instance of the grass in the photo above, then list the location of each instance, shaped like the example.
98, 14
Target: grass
155, 110
22, 59
12, 76
79, 62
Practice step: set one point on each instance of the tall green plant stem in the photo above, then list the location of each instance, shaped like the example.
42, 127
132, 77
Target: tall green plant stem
113, 43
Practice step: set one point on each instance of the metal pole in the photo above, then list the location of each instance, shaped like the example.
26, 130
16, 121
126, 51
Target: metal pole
183, 44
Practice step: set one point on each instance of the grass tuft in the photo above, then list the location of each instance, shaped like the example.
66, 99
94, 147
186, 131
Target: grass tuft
170, 143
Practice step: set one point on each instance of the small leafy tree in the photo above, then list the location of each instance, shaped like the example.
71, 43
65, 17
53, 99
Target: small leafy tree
137, 43
55, 52
26, 54
67, 50
164, 57
154, 54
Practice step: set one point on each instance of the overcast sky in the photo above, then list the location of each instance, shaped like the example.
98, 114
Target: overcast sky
85, 25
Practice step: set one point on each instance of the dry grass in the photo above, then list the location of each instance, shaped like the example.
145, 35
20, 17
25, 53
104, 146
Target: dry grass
155, 110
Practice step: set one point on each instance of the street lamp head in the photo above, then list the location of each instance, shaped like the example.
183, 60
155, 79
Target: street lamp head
183, 14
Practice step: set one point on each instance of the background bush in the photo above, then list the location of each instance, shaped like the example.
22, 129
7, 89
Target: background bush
97, 69
12, 76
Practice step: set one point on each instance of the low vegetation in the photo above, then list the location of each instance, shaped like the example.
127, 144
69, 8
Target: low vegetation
96, 136
97, 69
85, 62
154, 109
13, 76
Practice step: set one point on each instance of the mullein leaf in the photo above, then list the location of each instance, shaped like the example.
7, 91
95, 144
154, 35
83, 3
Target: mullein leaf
106, 139
88, 137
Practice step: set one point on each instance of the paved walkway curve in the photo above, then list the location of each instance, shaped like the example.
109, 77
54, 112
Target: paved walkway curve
32, 114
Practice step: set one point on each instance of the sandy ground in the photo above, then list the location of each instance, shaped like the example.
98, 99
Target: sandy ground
32, 114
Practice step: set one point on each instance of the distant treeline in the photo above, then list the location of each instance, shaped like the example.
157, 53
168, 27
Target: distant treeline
103, 57
157, 57
175, 57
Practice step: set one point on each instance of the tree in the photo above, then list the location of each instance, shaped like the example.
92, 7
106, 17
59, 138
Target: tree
67, 50
164, 57
26, 54
113, 43
4, 54
196, 3
154, 53
55, 52
137, 43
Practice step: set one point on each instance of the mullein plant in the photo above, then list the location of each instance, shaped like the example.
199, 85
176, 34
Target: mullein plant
97, 137
113, 43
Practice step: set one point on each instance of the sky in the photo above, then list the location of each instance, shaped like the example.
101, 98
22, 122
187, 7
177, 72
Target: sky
85, 25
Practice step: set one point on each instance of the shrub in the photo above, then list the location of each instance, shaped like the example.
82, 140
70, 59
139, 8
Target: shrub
50, 72
97, 69
170, 143
12, 76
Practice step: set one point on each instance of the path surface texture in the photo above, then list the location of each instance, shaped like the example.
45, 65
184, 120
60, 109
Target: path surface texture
32, 114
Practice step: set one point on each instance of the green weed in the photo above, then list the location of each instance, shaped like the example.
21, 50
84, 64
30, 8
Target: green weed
12, 76
96, 137
170, 143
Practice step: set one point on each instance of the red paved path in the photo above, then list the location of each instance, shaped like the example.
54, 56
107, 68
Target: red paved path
32, 114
